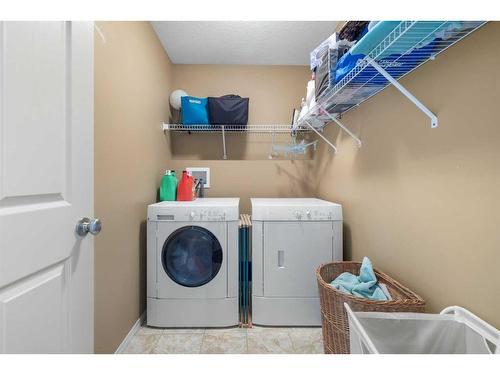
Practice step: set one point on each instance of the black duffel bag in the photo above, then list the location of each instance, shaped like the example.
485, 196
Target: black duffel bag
228, 110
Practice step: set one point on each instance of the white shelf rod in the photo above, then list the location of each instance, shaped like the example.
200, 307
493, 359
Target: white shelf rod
224, 142
321, 136
405, 92
342, 126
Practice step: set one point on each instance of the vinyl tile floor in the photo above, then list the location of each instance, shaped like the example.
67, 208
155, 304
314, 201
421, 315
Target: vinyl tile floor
255, 340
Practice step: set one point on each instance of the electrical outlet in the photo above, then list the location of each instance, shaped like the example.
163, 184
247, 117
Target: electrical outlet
199, 172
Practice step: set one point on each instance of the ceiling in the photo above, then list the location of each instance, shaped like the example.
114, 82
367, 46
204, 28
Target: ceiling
242, 42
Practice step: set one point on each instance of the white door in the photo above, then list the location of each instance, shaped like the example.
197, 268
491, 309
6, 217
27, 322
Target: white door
46, 186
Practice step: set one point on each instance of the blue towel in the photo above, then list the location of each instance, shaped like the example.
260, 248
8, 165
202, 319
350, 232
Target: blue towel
365, 285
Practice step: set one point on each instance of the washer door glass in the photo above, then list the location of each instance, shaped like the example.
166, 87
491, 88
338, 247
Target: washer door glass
192, 256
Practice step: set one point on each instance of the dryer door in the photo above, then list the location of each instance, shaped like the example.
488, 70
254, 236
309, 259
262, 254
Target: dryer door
292, 253
192, 260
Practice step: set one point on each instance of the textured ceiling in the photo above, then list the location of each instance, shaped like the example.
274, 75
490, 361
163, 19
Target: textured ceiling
242, 42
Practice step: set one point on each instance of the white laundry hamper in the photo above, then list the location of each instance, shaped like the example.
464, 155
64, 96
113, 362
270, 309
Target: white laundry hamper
454, 331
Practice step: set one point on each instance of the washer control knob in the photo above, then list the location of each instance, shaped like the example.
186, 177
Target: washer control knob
191, 215
308, 214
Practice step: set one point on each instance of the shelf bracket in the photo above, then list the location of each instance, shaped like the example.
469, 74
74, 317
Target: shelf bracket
342, 126
405, 92
321, 136
224, 142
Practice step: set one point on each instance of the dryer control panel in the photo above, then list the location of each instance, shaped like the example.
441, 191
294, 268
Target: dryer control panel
312, 214
295, 209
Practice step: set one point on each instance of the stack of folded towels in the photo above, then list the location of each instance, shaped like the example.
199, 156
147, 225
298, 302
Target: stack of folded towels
365, 285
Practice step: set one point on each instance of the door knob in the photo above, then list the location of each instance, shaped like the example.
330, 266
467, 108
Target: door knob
86, 225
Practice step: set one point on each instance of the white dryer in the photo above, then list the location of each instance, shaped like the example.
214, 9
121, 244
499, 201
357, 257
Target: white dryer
192, 263
291, 237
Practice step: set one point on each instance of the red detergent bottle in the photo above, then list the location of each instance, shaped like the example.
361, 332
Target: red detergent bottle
185, 188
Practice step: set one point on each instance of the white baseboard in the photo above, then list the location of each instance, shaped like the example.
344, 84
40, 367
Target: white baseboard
131, 333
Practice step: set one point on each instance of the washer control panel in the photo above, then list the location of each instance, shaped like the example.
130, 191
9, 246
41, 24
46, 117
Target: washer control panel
206, 215
201, 209
194, 214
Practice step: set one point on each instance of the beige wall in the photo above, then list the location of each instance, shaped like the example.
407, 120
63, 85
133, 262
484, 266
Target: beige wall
273, 91
424, 203
132, 84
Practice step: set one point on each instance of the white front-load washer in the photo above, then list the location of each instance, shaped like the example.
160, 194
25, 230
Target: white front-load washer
291, 237
192, 263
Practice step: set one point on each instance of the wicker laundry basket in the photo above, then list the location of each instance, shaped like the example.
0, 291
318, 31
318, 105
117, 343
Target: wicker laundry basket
333, 315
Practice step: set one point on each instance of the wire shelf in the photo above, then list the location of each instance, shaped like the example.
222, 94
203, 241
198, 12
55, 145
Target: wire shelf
259, 129
409, 45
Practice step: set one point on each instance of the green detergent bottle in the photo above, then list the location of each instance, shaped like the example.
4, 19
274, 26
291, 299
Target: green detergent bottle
168, 186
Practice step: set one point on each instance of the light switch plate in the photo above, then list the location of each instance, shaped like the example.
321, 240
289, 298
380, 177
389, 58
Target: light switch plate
201, 172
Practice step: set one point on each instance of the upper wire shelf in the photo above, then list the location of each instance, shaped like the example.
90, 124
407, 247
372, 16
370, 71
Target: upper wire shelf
409, 45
